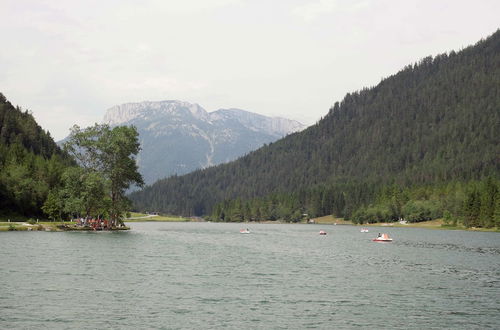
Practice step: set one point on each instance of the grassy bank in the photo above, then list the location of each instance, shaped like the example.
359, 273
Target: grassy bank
331, 220
432, 224
140, 217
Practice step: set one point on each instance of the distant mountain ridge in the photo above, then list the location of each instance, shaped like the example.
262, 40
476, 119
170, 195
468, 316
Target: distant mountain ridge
178, 137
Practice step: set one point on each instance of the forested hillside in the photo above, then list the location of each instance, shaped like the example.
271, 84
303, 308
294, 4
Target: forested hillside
30, 162
434, 123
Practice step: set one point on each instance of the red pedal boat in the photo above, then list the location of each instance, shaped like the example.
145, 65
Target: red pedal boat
383, 238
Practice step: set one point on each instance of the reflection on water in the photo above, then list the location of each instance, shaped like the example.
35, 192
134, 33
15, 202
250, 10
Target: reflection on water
206, 275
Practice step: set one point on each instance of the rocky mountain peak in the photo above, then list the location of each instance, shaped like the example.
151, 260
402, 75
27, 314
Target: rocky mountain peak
178, 137
147, 110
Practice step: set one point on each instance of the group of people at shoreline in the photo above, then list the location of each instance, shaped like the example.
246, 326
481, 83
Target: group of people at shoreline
96, 224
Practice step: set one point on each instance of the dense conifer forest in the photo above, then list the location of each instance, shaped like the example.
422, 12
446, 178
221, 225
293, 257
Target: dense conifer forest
31, 163
423, 143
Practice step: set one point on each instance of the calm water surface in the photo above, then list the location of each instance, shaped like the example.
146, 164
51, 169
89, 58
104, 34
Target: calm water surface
209, 276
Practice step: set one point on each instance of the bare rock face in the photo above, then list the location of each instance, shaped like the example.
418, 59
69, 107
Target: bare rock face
179, 137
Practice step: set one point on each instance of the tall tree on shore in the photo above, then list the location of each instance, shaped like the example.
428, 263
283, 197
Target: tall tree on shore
84, 193
111, 154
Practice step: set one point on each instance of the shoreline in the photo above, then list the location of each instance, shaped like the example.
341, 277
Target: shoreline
60, 226
57, 226
437, 224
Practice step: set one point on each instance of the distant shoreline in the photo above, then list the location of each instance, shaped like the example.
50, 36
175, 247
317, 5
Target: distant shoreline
59, 226
432, 224
326, 220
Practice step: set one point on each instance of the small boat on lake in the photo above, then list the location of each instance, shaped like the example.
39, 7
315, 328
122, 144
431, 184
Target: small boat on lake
244, 231
364, 230
322, 232
382, 238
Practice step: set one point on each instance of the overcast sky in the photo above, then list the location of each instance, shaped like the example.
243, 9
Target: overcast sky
69, 61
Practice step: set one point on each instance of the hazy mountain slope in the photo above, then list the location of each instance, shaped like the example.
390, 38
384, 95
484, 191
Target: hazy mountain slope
178, 137
435, 121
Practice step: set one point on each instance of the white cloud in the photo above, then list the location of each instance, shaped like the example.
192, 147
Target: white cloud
68, 61
311, 11
187, 6
60, 118
152, 86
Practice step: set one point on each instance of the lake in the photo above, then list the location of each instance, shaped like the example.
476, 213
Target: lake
209, 276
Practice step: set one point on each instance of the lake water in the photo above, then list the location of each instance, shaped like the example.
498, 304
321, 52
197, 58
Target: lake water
209, 276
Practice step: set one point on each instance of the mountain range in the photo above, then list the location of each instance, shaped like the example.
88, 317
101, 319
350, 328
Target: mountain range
178, 137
